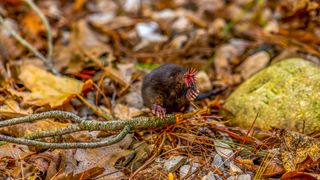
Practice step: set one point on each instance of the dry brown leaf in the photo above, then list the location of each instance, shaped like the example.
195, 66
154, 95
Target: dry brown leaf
13, 150
32, 24
12, 2
47, 162
11, 109
78, 5
83, 46
273, 169
47, 88
299, 176
142, 151
116, 76
308, 163
197, 20
295, 148
11, 159
91, 161
125, 113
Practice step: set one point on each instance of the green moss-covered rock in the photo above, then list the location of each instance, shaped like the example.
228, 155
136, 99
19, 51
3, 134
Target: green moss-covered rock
284, 95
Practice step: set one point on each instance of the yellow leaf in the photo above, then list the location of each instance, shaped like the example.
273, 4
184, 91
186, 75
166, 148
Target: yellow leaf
11, 108
170, 176
46, 88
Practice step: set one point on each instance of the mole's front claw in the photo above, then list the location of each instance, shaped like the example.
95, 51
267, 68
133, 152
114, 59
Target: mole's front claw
159, 111
192, 93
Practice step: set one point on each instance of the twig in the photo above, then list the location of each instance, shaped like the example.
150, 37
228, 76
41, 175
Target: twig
44, 20
22, 41
26, 44
57, 132
96, 109
104, 142
81, 125
39, 116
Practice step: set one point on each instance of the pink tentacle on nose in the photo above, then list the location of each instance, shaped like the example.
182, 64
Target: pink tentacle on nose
190, 77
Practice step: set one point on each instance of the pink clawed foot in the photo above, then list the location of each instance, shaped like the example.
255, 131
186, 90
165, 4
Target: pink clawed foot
159, 111
192, 94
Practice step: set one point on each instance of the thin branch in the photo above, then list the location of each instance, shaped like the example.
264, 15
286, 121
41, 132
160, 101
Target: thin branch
81, 125
39, 116
56, 132
104, 142
28, 45
96, 109
21, 40
92, 125
44, 20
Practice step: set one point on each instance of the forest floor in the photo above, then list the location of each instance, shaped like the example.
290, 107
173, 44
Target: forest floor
89, 58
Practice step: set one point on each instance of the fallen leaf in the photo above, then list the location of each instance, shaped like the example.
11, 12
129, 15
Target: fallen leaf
273, 169
296, 148
299, 176
125, 113
254, 64
46, 162
78, 5
307, 163
13, 150
32, 24
83, 46
12, 160
47, 88
12, 2
11, 109
170, 176
117, 77
142, 151
92, 161
91, 173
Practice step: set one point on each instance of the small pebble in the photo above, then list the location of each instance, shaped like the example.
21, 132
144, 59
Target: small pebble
244, 177
218, 177
254, 63
218, 162
185, 170
231, 178
147, 31
203, 82
223, 149
182, 24
209, 176
174, 163
134, 99
234, 169
132, 6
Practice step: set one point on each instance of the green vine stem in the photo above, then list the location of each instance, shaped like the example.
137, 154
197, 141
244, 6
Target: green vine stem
80, 124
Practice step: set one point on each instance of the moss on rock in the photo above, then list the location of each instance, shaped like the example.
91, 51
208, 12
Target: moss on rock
284, 95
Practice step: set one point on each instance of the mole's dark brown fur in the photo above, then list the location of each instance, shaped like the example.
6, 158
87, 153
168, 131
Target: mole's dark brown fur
166, 89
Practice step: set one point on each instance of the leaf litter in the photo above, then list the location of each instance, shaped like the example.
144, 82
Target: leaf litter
103, 48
